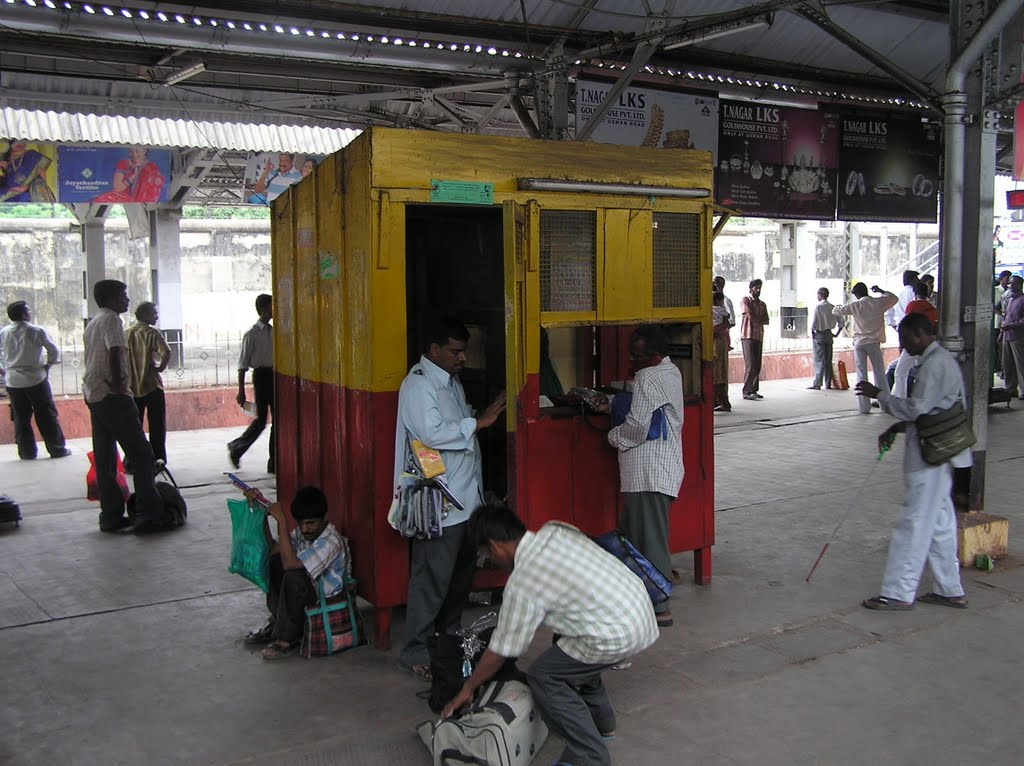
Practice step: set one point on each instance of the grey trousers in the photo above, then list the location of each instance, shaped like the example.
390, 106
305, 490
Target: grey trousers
822, 358
752, 354
644, 522
430, 575
1013, 365
575, 705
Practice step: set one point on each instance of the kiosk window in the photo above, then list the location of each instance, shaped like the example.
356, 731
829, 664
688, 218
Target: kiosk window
676, 260
568, 258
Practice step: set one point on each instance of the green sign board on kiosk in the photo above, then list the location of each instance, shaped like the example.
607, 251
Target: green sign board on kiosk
461, 192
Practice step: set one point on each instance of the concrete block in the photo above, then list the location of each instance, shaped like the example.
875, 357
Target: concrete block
978, 532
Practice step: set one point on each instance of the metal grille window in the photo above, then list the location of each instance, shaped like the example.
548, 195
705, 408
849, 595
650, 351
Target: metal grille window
568, 260
676, 260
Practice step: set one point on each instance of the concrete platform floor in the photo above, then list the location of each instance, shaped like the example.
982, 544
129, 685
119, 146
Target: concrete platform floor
117, 650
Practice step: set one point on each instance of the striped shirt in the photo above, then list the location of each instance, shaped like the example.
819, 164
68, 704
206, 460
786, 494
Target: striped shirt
327, 556
755, 317
103, 333
257, 347
655, 465
565, 581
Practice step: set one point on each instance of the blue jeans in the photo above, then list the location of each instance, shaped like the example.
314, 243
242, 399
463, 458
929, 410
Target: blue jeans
115, 420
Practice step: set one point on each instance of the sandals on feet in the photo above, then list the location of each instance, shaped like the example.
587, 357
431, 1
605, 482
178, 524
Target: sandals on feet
887, 604
956, 602
664, 619
279, 650
420, 671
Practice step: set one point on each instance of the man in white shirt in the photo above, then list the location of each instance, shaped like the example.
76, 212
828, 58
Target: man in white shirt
719, 283
868, 334
905, 295
27, 378
925, 530
598, 610
432, 408
651, 469
822, 325
114, 416
257, 352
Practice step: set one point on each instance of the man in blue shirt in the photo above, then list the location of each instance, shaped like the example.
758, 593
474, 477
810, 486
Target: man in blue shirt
432, 407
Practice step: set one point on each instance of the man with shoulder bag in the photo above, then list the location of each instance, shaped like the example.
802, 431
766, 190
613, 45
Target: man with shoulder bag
938, 440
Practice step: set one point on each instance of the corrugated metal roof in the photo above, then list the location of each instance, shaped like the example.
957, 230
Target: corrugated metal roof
104, 129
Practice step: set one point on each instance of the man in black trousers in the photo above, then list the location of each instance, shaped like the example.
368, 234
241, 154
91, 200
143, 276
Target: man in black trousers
257, 353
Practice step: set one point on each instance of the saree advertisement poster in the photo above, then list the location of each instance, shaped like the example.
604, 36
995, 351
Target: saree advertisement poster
777, 162
113, 174
888, 169
647, 117
28, 171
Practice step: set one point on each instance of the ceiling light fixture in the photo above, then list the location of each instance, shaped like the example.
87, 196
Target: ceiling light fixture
184, 74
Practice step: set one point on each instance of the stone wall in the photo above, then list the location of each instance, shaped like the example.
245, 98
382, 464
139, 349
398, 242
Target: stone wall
225, 265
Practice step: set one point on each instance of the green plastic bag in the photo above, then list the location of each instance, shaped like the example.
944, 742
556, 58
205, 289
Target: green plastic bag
250, 554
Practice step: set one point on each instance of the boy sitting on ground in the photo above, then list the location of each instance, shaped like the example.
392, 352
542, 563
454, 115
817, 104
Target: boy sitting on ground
313, 550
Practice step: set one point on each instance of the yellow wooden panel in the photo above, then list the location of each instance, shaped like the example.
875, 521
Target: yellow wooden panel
282, 249
307, 279
360, 238
330, 235
624, 295
409, 159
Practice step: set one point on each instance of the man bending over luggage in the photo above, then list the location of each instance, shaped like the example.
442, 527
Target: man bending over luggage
598, 609
313, 550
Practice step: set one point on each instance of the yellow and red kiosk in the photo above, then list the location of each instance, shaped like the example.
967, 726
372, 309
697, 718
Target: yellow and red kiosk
517, 238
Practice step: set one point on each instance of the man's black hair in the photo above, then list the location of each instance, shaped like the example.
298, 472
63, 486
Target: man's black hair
860, 289
917, 323
440, 329
928, 278
309, 503
910, 277
263, 301
106, 290
755, 283
718, 279
495, 521
921, 289
654, 338
17, 310
823, 290
1005, 273
144, 308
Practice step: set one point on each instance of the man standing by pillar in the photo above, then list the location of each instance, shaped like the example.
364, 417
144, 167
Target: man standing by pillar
258, 353
755, 317
1012, 333
432, 408
868, 334
148, 355
822, 325
21, 359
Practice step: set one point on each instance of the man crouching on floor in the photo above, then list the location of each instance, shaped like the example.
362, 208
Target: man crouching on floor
313, 550
598, 609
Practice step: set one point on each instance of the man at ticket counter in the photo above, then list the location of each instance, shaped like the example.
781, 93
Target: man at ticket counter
650, 448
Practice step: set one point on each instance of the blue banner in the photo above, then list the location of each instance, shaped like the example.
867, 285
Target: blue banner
113, 174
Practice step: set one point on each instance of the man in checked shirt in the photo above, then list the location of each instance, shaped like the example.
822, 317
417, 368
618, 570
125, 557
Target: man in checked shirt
599, 611
651, 451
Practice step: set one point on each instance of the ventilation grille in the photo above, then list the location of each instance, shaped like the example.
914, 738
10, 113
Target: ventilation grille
568, 258
676, 260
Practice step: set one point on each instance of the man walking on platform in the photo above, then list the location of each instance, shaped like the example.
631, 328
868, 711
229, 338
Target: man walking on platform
925, 530
21, 359
257, 353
